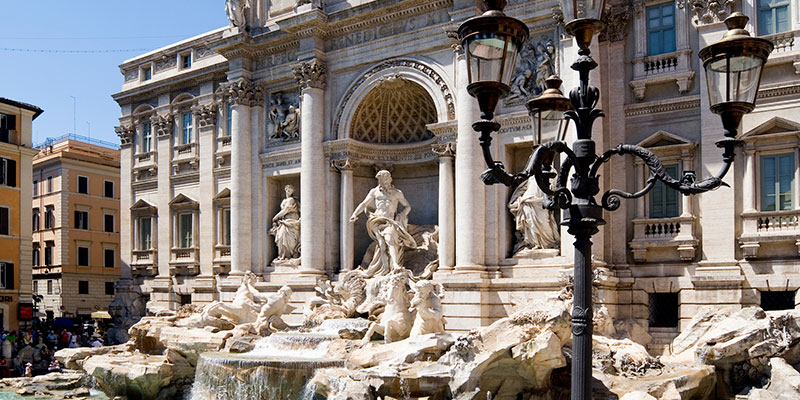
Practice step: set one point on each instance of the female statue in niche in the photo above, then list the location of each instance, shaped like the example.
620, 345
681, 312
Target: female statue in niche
536, 224
286, 227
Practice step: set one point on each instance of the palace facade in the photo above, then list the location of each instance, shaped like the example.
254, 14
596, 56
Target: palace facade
322, 94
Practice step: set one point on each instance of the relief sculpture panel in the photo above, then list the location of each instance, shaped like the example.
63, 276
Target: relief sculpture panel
536, 61
283, 116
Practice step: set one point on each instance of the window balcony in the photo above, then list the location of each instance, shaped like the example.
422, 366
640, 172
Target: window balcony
786, 50
184, 154
222, 259
144, 160
664, 239
662, 68
143, 262
777, 229
185, 261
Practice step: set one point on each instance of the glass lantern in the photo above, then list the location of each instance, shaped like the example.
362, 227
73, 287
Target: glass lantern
733, 71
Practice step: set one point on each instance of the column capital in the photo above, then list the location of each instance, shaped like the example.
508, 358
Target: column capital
205, 114
125, 133
344, 164
244, 92
446, 149
455, 43
311, 74
707, 11
615, 24
162, 124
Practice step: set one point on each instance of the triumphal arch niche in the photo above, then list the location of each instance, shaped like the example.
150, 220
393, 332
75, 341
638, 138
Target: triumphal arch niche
383, 123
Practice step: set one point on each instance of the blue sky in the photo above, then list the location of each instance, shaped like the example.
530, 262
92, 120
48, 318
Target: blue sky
49, 79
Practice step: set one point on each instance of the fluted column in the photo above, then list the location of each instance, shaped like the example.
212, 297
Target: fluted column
470, 191
346, 240
241, 94
311, 78
447, 227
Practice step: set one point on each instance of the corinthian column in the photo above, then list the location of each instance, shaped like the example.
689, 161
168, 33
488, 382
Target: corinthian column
242, 94
311, 77
470, 191
346, 242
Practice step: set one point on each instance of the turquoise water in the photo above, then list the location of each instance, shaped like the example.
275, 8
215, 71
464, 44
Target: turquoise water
8, 394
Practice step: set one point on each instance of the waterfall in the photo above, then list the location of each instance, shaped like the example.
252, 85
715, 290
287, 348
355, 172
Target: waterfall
278, 367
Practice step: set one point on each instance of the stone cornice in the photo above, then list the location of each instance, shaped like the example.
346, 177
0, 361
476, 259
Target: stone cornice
199, 42
661, 106
311, 74
779, 90
368, 153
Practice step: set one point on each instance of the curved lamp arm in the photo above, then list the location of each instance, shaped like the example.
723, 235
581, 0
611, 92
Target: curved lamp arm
686, 185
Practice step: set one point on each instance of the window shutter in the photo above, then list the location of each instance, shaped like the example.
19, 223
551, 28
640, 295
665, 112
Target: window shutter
12, 173
9, 276
11, 122
2, 171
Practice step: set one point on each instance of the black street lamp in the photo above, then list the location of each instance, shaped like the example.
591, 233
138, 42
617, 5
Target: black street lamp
733, 72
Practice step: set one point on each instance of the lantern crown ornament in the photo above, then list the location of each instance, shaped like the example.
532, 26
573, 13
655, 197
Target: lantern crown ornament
491, 42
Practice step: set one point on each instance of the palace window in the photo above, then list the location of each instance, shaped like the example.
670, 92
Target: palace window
49, 184
83, 256
665, 201
49, 217
147, 73
8, 172
147, 137
109, 258
110, 288
35, 219
81, 219
83, 185
49, 286
108, 189
5, 221
8, 123
186, 61
773, 16
145, 233
83, 287
229, 119
664, 310
185, 230
108, 223
6, 276
35, 188
225, 227
48, 252
186, 128
661, 29
777, 182
36, 255
777, 300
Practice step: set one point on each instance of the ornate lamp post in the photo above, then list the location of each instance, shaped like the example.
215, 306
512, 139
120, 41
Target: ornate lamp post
733, 72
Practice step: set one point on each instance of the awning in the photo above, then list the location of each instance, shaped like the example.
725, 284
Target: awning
101, 315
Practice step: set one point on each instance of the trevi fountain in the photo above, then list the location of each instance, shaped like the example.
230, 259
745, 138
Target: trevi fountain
378, 332
432, 286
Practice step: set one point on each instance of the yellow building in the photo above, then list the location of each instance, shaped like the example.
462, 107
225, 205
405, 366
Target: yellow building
75, 225
16, 152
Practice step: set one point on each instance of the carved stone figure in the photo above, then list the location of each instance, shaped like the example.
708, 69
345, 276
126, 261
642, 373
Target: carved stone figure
386, 225
236, 11
269, 317
243, 309
536, 62
286, 227
537, 225
396, 320
291, 125
428, 306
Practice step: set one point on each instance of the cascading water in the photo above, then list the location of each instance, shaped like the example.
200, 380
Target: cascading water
278, 367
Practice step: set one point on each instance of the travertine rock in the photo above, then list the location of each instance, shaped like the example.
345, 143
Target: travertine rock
71, 358
415, 348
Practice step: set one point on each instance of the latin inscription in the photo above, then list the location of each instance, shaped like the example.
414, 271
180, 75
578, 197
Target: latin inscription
390, 28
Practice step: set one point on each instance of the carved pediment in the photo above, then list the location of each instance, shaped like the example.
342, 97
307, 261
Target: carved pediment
183, 201
663, 138
223, 194
772, 126
142, 205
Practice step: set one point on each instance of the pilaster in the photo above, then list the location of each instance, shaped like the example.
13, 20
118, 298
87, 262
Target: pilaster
346, 240
447, 244
206, 119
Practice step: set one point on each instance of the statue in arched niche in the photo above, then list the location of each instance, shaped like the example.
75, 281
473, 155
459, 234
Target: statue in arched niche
286, 227
536, 225
387, 225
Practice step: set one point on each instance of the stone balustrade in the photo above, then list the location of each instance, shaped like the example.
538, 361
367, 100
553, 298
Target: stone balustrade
664, 233
773, 227
662, 68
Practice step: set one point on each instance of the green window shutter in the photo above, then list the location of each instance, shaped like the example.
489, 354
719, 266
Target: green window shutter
664, 201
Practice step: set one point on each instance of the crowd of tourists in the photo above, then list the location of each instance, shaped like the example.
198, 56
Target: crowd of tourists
30, 352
